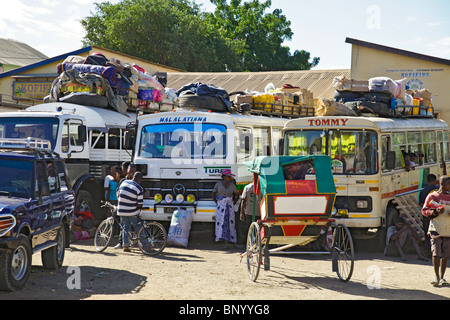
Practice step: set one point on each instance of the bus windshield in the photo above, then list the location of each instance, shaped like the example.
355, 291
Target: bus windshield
351, 152
184, 141
26, 127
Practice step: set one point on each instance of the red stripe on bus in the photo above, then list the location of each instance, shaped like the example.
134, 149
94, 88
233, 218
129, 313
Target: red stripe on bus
394, 193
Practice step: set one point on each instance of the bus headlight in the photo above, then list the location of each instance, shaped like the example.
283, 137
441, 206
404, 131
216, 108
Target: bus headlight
169, 198
362, 204
191, 198
180, 198
158, 198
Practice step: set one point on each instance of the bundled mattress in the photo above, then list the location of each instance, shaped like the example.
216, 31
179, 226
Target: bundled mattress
109, 73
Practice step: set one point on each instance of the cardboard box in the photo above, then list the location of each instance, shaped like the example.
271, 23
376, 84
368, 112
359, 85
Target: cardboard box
244, 99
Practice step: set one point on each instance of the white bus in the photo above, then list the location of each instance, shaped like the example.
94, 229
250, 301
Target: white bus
368, 162
89, 139
183, 153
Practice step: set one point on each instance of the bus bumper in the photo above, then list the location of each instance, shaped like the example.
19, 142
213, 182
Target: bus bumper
359, 222
202, 212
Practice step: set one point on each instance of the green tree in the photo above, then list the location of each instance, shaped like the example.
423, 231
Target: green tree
236, 37
169, 32
258, 36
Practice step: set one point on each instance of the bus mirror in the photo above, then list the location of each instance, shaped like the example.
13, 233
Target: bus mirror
129, 140
247, 143
82, 133
281, 147
390, 160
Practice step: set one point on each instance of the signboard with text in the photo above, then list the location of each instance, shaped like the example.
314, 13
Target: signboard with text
31, 90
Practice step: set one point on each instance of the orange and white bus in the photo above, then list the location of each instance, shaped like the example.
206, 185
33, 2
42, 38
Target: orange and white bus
369, 162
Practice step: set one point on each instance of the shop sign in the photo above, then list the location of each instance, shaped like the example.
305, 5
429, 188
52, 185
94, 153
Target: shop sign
31, 90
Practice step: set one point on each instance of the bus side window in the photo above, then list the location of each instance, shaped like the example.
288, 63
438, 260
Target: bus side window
429, 147
245, 144
399, 147
446, 146
415, 146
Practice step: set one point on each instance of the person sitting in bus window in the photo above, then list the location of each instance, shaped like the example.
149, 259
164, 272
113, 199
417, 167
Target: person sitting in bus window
412, 160
421, 157
409, 161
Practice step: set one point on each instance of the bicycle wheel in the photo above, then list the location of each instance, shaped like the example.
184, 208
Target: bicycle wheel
254, 251
343, 253
152, 238
103, 234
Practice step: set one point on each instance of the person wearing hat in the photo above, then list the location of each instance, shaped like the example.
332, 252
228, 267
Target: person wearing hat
225, 195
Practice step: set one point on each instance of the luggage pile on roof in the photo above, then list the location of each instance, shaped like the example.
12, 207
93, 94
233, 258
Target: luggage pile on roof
290, 101
380, 96
100, 82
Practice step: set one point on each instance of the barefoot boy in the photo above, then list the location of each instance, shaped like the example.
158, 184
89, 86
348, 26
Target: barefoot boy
437, 208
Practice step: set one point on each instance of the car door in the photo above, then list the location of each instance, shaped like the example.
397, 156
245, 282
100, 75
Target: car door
42, 207
58, 201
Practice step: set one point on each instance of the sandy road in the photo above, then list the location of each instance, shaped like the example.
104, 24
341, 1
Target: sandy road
206, 272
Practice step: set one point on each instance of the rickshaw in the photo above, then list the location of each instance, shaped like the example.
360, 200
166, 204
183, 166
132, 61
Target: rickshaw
297, 195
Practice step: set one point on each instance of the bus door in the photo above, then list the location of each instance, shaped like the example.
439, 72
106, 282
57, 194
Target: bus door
399, 178
337, 149
388, 183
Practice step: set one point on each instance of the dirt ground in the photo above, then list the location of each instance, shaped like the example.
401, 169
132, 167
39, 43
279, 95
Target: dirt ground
208, 272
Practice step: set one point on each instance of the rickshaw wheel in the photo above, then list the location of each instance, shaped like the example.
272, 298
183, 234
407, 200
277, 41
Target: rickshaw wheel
343, 253
254, 251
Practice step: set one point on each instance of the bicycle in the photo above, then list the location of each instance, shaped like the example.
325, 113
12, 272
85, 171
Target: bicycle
151, 238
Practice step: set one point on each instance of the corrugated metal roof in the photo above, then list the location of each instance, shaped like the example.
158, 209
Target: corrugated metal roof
17, 53
319, 82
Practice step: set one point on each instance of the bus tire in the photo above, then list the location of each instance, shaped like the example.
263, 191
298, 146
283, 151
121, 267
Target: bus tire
391, 215
86, 202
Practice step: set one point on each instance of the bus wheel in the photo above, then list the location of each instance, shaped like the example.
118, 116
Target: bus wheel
85, 202
391, 215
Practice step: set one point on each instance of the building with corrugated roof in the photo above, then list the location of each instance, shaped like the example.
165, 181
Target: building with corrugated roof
319, 82
15, 54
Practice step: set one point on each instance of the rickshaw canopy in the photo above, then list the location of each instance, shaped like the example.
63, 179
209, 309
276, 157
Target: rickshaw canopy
272, 179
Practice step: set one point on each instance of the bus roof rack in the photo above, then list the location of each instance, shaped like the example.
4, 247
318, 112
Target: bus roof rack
26, 143
414, 112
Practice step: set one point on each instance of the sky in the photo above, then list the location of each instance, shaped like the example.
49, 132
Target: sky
320, 26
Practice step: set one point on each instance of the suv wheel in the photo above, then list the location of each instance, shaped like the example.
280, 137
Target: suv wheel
15, 266
53, 257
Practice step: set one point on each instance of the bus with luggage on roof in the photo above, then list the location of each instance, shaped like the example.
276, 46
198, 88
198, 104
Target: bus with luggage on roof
183, 153
373, 160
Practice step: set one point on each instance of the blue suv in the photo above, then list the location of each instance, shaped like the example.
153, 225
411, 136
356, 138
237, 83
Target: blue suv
36, 209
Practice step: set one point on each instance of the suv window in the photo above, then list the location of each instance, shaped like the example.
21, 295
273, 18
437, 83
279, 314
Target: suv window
41, 177
53, 179
63, 176
15, 178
